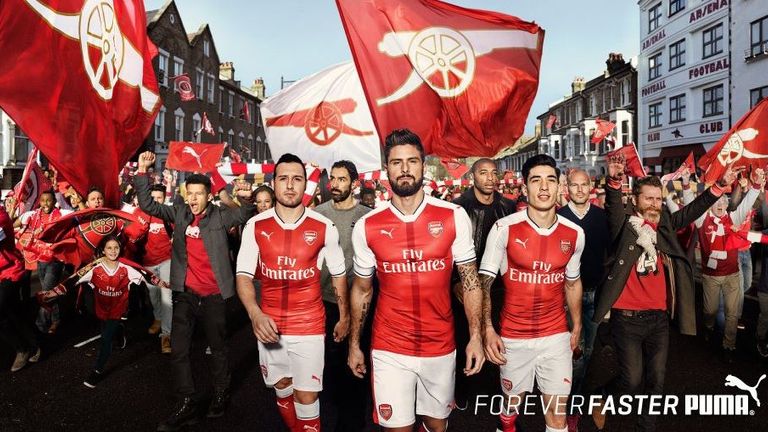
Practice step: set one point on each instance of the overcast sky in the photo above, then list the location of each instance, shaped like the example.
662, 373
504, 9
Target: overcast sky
294, 38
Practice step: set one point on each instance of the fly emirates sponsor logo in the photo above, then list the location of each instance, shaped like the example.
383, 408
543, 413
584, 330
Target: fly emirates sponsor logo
286, 270
541, 274
413, 262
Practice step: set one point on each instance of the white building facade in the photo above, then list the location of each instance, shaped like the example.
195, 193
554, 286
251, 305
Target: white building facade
694, 78
14, 150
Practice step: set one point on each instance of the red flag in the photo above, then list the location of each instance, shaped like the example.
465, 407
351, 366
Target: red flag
183, 85
746, 144
207, 126
602, 131
235, 156
455, 168
551, 121
194, 157
78, 80
462, 79
679, 172
33, 183
245, 113
629, 157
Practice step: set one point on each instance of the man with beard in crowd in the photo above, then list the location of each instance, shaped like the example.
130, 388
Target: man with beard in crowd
411, 243
484, 205
343, 210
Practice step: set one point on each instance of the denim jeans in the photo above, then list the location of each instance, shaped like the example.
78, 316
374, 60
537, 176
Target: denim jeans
588, 333
49, 274
745, 266
162, 306
642, 344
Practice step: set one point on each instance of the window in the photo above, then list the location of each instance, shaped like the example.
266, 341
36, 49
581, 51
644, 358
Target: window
221, 101
21, 144
713, 41
677, 54
557, 150
677, 108
622, 97
221, 135
654, 15
241, 140
206, 48
231, 139
160, 125
713, 100
676, 6
576, 146
179, 123
654, 66
199, 83
758, 40
162, 66
231, 106
197, 127
756, 95
625, 132
654, 115
178, 66
210, 88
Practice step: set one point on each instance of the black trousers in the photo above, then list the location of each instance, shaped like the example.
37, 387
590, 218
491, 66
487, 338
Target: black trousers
211, 313
348, 394
642, 344
108, 330
16, 328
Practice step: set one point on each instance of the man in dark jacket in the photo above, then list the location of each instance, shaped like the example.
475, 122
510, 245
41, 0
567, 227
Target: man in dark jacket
485, 206
201, 279
650, 280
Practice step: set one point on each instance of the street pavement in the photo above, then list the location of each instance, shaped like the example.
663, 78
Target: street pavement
136, 392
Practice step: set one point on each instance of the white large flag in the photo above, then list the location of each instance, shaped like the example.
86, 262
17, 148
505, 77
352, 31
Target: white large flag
323, 118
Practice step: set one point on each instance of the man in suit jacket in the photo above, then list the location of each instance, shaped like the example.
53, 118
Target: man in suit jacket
649, 281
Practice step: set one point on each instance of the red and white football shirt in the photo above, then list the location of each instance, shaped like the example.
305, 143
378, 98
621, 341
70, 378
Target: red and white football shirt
110, 288
287, 259
534, 263
413, 256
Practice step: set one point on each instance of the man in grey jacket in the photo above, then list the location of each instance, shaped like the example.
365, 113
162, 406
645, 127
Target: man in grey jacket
201, 280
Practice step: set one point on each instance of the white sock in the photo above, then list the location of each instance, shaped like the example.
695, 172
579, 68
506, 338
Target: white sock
551, 429
284, 392
307, 412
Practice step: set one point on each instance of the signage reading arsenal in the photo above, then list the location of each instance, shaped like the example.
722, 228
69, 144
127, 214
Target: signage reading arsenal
651, 41
707, 10
711, 127
709, 68
653, 88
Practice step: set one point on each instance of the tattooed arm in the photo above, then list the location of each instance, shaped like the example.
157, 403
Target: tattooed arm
360, 302
473, 308
494, 346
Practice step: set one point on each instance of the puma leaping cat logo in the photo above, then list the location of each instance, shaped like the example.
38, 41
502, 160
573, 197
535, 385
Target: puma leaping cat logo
191, 151
732, 381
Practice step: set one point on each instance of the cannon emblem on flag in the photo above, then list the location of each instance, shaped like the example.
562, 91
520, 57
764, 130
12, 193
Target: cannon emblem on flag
734, 148
97, 30
444, 58
322, 123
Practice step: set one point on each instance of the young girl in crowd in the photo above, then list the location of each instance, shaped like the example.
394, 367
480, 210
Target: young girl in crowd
111, 277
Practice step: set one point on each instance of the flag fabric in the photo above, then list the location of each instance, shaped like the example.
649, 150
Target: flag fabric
746, 144
86, 108
462, 79
183, 86
33, 183
245, 113
610, 141
323, 118
551, 121
688, 163
234, 156
628, 156
455, 168
194, 157
207, 126
603, 128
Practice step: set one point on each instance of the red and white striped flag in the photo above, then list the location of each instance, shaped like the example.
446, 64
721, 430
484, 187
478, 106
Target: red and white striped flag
207, 126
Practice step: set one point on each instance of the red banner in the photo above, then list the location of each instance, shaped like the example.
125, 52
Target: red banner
194, 157
462, 79
629, 157
551, 121
78, 79
603, 129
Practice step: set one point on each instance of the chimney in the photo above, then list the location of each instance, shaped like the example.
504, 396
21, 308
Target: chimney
227, 71
577, 85
614, 62
258, 88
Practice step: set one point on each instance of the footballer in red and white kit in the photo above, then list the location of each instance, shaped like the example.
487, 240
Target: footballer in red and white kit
412, 243
285, 247
538, 255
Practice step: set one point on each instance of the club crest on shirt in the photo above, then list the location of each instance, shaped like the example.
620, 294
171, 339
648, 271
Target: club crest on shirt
310, 237
565, 246
507, 384
435, 228
192, 231
385, 411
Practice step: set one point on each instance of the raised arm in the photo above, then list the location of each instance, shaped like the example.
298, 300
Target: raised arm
758, 182
141, 182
